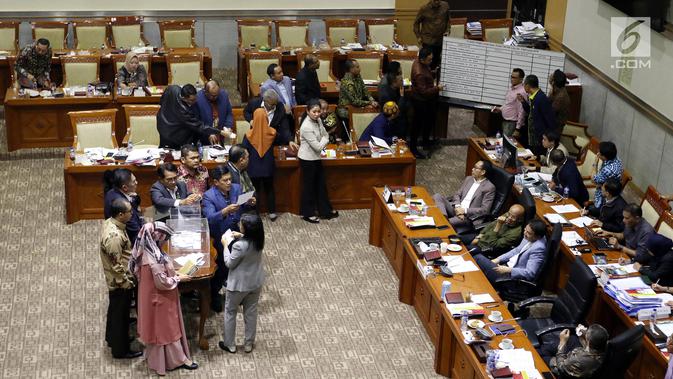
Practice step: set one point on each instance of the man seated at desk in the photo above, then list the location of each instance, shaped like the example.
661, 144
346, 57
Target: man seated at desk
500, 235
471, 202
213, 108
571, 361
524, 261
567, 178
659, 268
307, 85
383, 126
282, 85
610, 215
191, 171
270, 102
168, 192
33, 65
177, 123
635, 234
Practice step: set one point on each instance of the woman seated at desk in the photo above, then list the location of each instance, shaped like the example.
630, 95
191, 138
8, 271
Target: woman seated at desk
659, 269
132, 74
383, 126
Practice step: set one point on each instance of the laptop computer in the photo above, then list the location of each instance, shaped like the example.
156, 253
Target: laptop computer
600, 243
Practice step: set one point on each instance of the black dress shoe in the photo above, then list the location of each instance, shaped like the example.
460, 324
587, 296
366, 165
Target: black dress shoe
193, 366
226, 348
312, 220
332, 215
131, 354
216, 303
419, 155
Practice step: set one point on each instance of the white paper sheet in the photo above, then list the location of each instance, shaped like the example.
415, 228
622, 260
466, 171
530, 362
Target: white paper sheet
482, 298
517, 359
565, 208
555, 218
628, 283
581, 221
572, 238
243, 198
380, 142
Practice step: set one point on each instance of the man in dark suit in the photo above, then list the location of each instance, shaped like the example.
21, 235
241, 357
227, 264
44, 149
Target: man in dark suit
307, 85
567, 176
471, 202
610, 215
213, 108
239, 157
122, 184
168, 193
277, 119
540, 114
524, 261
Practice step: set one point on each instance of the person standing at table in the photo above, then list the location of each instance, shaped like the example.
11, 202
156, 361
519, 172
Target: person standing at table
168, 192
115, 252
283, 87
567, 177
259, 141
313, 138
353, 91
611, 168
307, 85
239, 158
424, 99
560, 100
34, 64
540, 116
220, 208
177, 123
132, 74
120, 183
160, 325
513, 115
214, 109
432, 23
244, 284
277, 120
191, 171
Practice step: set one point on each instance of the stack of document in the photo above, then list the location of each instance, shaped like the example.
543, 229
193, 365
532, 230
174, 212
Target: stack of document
474, 28
555, 218
572, 239
528, 34
519, 360
458, 265
614, 270
632, 294
414, 222
471, 308
142, 156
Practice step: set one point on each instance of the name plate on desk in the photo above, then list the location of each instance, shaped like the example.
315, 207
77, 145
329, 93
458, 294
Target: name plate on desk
425, 270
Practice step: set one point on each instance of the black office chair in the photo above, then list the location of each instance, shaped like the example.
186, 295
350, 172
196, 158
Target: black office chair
503, 182
515, 290
621, 352
569, 307
527, 200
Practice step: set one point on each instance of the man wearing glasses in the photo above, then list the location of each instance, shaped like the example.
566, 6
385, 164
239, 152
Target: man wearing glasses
213, 107
513, 116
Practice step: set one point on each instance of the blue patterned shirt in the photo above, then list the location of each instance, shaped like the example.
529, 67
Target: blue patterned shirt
611, 169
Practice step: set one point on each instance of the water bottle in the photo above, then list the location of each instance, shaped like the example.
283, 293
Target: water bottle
407, 195
491, 360
72, 154
129, 146
446, 288
200, 148
566, 192
463, 320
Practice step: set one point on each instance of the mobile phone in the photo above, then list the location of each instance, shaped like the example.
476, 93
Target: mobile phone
600, 259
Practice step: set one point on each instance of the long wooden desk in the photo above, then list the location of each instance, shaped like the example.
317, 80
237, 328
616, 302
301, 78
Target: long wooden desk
159, 69
453, 358
349, 183
650, 363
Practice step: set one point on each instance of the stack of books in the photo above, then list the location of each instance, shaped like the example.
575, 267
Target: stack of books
632, 300
474, 28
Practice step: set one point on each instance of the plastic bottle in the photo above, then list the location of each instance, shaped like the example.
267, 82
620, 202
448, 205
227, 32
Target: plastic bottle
463, 320
407, 195
566, 192
129, 146
200, 148
314, 44
491, 360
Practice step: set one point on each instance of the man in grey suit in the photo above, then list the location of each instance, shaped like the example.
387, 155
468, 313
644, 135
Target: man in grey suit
282, 85
167, 192
524, 261
471, 202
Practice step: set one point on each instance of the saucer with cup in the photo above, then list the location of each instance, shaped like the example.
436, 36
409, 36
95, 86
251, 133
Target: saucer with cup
495, 316
506, 344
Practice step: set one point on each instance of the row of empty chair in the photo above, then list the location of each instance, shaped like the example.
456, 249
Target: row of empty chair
115, 32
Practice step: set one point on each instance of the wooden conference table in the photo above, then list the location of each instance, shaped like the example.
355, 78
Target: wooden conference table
453, 358
349, 182
159, 70
650, 363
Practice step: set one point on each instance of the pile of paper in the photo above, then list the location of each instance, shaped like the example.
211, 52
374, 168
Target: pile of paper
458, 265
632, 294
419, 221
474, 28
528, 34
613, 269
519, 360
471, 308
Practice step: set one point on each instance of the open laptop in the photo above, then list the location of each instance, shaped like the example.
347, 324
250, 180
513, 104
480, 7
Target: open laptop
600, 243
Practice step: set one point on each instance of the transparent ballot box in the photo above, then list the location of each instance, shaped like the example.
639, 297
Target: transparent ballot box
186, 211
190, 245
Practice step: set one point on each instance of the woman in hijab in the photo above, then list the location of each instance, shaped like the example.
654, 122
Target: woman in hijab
132, 74
660, 266
383, 125
160, 325
259, 141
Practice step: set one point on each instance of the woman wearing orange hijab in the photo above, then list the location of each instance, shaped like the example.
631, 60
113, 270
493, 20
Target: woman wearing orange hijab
259, 142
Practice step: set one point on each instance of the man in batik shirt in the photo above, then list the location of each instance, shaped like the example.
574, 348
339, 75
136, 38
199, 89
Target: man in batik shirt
33, 65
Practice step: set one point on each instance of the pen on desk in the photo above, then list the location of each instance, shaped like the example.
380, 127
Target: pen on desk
492, 306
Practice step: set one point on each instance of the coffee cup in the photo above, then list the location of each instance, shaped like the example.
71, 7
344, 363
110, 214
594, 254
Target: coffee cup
496, 315
507, 343
434, 246
444, 247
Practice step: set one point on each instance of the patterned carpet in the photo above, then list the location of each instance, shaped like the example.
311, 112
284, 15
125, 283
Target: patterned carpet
329, 307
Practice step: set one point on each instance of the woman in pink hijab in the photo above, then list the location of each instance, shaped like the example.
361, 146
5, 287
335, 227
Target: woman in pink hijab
160, 325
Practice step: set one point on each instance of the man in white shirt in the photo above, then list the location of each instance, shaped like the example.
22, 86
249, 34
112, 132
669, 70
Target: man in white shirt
169, 193
471, 202
524, 261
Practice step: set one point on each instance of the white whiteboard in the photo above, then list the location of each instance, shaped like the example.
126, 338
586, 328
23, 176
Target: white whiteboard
480, 71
